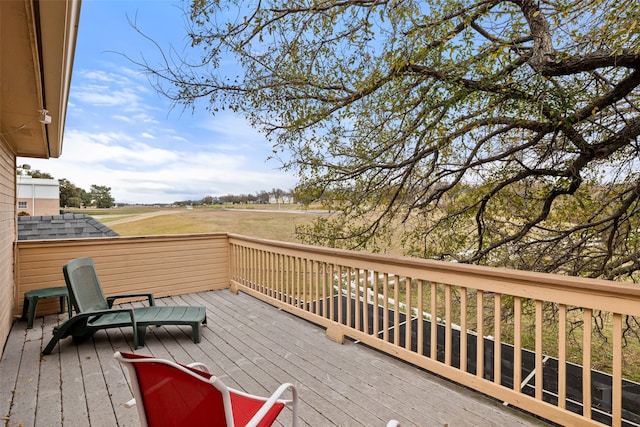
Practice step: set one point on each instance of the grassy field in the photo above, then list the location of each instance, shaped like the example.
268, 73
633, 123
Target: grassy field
252, 222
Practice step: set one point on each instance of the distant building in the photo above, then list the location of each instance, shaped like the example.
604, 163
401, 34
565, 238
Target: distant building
38, 196
284, 199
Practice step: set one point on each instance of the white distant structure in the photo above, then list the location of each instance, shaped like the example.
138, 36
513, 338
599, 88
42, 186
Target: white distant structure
284, 199
38, 196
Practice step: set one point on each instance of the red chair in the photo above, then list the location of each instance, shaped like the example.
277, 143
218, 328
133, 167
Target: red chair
172, 394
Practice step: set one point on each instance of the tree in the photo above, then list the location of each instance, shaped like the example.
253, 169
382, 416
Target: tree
101, 196
262, 197
207, 200
39, 174
70, 195
493, 132
86, 198
277, 194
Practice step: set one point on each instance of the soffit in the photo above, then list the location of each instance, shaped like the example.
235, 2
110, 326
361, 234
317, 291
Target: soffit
37, 45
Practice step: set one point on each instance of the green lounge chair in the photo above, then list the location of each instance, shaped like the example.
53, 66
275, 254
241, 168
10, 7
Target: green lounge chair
94, 311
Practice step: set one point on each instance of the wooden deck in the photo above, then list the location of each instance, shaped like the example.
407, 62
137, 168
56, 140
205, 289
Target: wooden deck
251, 346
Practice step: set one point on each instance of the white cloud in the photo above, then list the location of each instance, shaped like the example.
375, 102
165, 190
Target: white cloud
230, 126
104, 96
125, 119
138, 172
144, 118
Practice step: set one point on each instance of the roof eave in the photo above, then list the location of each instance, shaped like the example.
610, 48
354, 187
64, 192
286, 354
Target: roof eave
36, 59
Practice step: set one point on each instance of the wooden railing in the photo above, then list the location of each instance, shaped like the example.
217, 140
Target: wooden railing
544, 343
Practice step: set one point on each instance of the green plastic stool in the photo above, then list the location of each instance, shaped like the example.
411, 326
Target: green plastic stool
31, 301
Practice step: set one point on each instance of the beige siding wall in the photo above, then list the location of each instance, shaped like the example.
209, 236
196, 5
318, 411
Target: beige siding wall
40, 206
7, 238
164, 265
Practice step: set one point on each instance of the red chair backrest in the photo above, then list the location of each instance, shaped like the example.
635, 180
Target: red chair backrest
172, 397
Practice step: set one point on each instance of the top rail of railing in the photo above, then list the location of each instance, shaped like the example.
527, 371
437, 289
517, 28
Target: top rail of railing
576, 291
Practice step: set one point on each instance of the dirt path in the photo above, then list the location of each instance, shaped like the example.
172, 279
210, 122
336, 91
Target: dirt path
140, 216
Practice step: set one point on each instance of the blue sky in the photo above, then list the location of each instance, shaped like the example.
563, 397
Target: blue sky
120, 133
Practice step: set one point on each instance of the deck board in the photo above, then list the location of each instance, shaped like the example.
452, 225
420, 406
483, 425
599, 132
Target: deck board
249, 345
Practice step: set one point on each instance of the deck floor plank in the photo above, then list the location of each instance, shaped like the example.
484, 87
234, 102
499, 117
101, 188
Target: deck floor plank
99, 405
250, 346
26, 389
74, 403
117, 385
49, 405
9, 368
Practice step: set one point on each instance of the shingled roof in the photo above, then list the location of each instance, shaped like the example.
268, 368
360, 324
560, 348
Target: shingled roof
67, 226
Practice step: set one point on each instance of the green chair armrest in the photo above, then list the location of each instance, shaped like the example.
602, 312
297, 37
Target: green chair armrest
149, 295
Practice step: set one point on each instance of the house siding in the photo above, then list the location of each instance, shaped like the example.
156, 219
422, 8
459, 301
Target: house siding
7, 239
40, 196
39, 207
